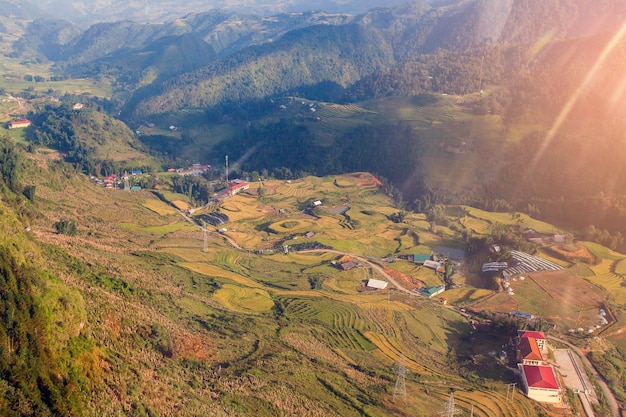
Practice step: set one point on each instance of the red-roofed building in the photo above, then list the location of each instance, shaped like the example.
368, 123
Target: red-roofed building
539, 337
238, 187
16, 124
528, 352
540, 383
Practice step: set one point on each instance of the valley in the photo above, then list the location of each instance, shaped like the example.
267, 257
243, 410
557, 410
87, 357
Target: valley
363, 210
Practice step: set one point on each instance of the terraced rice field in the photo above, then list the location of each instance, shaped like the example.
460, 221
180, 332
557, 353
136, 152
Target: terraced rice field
244, 300
217, 272
620, 267
239, 208
507, 218
181, 205
159, 207
296, 189
170, 228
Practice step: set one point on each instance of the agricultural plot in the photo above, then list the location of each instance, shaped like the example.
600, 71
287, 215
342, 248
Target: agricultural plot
558, 296
243, 299
508, 219
465, 296
170, 228
217, 272
159, 207
605, 273
291, 226
241, 207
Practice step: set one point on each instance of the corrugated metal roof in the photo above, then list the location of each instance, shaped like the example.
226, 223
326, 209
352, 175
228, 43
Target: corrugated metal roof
376, 283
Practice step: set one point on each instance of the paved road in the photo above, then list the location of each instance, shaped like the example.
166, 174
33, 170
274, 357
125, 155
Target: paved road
613, 405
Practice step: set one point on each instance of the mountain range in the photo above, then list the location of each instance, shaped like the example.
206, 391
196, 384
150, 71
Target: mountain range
384, 130
88, 12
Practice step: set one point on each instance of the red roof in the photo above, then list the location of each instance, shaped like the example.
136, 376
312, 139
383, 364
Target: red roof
20, 123
529, 350
534, 335
540, 377
238, 186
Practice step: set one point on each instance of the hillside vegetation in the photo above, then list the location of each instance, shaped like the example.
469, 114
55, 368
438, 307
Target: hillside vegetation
464, 125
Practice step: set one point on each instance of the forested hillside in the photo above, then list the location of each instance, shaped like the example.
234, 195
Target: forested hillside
308, 56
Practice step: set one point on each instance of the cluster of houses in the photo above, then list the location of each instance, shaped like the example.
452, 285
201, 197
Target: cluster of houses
114, 181
193, 169
538, 377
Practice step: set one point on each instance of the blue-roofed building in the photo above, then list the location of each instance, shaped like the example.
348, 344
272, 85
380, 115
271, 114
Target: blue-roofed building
419, 258
430, 292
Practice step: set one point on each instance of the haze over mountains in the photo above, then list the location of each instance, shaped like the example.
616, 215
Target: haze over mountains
87, 12
533, 55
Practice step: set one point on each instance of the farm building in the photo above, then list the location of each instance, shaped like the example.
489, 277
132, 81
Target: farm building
432, 264
376, 283
494, 266
418, 258
430, 292
540, 383
524, 263
539, 337
17, 124
346, 266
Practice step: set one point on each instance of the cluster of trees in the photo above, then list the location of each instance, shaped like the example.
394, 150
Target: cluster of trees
196, 188
11, 165
290, 150
31, 382
35, 78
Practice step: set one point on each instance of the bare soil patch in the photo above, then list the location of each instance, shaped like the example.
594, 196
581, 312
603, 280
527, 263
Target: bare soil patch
566, 288
580, 254
561, 297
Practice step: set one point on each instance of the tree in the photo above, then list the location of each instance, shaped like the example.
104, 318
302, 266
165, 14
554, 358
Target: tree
29, 192
11, 166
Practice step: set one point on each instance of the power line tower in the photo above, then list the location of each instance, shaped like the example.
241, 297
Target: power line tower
449, 407
400, 388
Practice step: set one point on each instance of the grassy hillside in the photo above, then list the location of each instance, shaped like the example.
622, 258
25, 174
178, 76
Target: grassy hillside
173, 329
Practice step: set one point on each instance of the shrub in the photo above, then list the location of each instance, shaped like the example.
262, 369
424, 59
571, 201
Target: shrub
65, 227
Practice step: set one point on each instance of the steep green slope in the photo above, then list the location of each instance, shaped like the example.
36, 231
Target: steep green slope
46, 360
90, 138
342, 54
